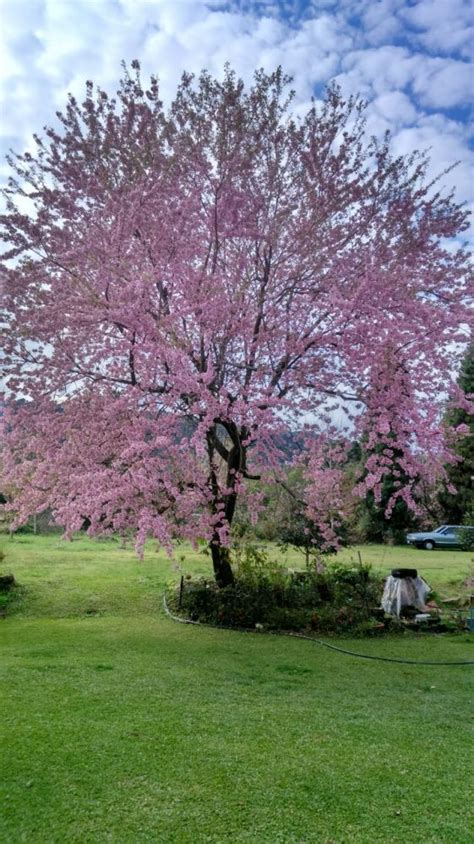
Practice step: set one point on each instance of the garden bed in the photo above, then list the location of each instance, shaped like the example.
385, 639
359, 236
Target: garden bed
327, 599
335, 599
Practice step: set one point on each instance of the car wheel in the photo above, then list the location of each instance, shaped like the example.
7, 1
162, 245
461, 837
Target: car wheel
428, 545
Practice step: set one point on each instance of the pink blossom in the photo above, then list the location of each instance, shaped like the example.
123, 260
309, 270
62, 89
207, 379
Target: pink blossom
193, 282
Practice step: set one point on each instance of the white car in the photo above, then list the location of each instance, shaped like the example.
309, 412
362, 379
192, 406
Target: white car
446, 536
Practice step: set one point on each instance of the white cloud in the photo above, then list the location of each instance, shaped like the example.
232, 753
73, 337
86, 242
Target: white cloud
448, 144
406, 57
380, 21
437, 82
443, 83
443, 26
390, 112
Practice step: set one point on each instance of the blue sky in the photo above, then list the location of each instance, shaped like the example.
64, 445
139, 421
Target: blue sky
411, 60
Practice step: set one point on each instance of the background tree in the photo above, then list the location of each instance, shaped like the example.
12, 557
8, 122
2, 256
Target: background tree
389, 506
298, 530
182, 285
457, 496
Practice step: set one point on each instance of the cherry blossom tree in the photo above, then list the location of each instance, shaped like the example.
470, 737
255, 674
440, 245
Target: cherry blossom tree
184, 284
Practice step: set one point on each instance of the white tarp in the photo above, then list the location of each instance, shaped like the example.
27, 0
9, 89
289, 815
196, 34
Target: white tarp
400, 592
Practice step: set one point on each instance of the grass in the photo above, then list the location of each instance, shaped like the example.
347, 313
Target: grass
87, 576
120, 726
443, 569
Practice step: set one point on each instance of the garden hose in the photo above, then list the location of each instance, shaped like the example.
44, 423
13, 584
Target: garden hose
322, 643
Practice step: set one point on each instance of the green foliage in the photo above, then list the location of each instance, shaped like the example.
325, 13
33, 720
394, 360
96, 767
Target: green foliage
374, 526
371, 522
40, 523
254, 563
9, 589
276, 505
466, 537
458, 507
299, 532
336, 599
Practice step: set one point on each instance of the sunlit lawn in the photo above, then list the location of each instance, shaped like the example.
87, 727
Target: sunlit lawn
120, 725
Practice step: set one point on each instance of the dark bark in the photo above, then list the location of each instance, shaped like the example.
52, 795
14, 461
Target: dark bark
234, 457
221, 564
220, 554
223, 503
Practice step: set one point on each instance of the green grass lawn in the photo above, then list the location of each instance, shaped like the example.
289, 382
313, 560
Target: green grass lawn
119, 725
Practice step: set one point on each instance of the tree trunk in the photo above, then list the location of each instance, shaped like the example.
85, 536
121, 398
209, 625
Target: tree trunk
221, 563
220, 555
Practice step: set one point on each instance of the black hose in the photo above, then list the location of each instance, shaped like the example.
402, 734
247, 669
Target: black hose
324, 644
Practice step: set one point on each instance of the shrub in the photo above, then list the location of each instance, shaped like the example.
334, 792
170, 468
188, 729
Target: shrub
9, 590
334, 600
466, 538
288, 618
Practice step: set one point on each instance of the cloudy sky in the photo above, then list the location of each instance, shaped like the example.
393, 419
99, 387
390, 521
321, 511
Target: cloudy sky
409, 58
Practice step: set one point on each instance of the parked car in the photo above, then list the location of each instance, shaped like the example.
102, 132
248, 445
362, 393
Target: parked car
446, 536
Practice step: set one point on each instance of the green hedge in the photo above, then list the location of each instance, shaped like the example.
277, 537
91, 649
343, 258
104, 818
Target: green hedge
337, 599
